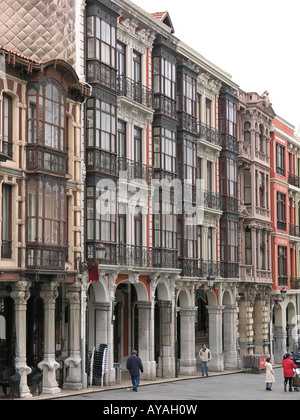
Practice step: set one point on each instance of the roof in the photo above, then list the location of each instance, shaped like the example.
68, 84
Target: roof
164, 17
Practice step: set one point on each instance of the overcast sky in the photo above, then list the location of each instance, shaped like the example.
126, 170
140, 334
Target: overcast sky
256, 42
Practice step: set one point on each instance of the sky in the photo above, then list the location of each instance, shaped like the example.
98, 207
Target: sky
256, 42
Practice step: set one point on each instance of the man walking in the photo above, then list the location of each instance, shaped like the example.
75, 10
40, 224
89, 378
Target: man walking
135, 366
205, 357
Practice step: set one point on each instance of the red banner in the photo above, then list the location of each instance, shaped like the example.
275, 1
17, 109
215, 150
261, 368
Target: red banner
93, 274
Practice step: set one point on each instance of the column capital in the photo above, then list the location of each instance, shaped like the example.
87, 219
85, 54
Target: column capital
20, 291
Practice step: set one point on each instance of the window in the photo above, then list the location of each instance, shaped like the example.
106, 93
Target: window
229, 241
46, 116
121, 59
209, 244
261, 138
280, 159
282, 266
261, 189
6, 248
281, 211
121, 138
7, 126
190, 162
228, 117
137, 67
190, 241
247, 187
208, 108
189, 95
164, 149
247, 132
138, 232
248, 247
46, 213
209, 176
101, 225
101, 125
101, 40
164, 77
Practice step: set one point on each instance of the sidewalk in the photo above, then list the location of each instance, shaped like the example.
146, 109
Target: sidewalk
126, 383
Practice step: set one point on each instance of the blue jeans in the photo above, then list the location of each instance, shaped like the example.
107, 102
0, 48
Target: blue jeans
205, 366
135, 381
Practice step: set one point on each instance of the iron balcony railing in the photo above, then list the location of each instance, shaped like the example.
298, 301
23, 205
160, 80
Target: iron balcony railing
6, 249
134, 90
209, 134
138, 256
111, 164
212, 200
294, 180
6, 149
40, 159
294, 230
46, 258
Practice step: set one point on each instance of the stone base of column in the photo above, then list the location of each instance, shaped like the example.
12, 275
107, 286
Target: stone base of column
24, 370
217, 363
49, 368
231, 360
166, 367
149, 371
187, 367
73, 380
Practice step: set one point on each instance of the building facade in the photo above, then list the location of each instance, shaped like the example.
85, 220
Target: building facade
40, 214
144, 179
284, 189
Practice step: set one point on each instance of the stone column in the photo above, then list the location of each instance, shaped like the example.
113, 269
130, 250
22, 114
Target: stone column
144, 312
280, 344
166, 362
230, 337
187, 341
49, 365
73, 362
215, 337
20, 294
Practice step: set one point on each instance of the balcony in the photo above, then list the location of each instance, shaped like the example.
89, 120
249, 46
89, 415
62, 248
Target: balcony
201, 268
134, 170
293, 180
212, 200
134, 90
6, 151
294, 230
46, 259
136, 256
164, 105
44, 160
6, 249
100, 73
209, 134
99, 160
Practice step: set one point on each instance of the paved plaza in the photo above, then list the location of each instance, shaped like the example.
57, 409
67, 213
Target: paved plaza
235, 386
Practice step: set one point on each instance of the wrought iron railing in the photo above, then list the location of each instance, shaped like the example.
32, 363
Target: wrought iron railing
138, 256
294, 180
134, 90
6, 249
212, 200
209, 134
40, 159
294, 230
45, 258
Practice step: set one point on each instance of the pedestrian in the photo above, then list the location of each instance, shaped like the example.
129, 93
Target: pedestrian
135, 366
288, 371
205, 357
270, 378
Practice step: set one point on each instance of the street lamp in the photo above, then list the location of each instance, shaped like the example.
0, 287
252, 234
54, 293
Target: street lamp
210, 281
100, 252
283, 294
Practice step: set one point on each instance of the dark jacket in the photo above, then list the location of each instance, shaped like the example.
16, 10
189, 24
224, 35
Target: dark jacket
134, 365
